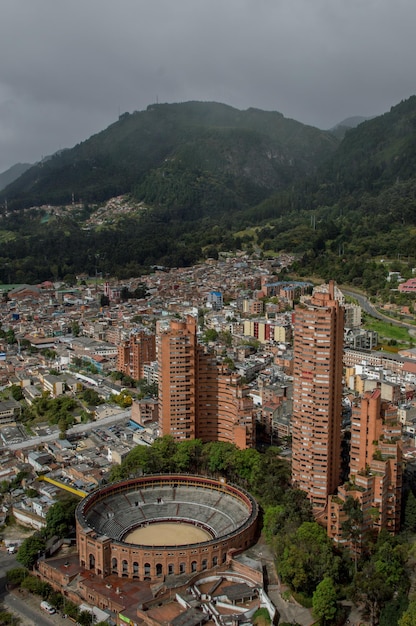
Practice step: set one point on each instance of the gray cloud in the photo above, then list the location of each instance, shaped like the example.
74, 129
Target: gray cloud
68, 68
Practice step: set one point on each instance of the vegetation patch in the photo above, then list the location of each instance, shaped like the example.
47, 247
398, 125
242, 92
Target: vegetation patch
389, 331
261, 617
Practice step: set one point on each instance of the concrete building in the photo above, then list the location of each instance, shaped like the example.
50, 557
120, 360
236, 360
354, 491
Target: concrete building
198, 397
352, 314
361, 339
215, 300
317, 396
265, 331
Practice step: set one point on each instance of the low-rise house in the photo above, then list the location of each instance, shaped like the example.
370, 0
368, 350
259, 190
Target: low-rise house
9, 410
40, 461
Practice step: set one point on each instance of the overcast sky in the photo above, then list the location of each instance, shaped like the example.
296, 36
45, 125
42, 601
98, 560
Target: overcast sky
68, 68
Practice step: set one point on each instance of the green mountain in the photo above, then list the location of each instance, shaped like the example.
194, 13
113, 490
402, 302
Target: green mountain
12, 174
201, 175
360, 206
341, 128
198, 155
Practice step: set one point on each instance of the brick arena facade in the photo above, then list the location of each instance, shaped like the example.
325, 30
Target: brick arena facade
105, 517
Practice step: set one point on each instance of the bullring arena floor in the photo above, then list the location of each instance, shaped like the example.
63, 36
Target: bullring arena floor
173, 534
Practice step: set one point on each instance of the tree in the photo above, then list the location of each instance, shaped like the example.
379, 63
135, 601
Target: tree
352, 528
389, 560
187, 455
70, 280
409, 616
91, 397
218, 456
161, 455
226, 337
135, 462
272, 480
324, 601
30, 550
410, 512
123, 399
61, 517
371, 589
16, 575
85, 618
16, 392
210, 334
149, 389
247, 466
307, 558
394, 609
271, 521
35, 585
10, 336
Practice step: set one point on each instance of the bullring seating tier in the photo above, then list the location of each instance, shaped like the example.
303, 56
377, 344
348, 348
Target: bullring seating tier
218, 512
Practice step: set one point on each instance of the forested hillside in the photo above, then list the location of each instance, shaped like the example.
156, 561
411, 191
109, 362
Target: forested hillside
206, 178
180, 155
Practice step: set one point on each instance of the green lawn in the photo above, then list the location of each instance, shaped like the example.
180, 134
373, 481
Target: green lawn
388, 331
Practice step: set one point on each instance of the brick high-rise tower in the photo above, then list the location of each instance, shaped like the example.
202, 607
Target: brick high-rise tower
177, 350
135, 352
317, 397
376, 472
199, 397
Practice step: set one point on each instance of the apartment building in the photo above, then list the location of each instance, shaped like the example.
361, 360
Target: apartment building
199, 398
265, 331
376, 470
317, 396
135, 352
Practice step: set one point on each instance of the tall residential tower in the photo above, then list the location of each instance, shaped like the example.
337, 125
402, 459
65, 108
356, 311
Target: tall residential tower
198, 396
317, 396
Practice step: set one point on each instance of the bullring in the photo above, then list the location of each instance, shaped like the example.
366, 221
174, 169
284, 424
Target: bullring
216, 517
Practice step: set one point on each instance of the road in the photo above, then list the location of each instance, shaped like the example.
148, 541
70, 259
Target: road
7, 561
27, 607
371, 310
79, 428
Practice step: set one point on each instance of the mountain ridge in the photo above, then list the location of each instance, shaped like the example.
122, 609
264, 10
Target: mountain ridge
13, 173
205, 135
202, 186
